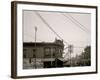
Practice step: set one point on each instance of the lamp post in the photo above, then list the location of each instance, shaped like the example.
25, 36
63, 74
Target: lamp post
35, 45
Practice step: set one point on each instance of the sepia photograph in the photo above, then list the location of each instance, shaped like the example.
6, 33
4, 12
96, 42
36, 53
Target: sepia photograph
53, 39
56, 39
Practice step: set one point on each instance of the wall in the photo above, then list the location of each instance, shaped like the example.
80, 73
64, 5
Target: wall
5, 41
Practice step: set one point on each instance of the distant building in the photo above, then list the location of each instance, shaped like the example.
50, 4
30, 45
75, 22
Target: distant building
43, 54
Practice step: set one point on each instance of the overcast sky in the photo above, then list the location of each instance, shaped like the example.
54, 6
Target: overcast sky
74, 28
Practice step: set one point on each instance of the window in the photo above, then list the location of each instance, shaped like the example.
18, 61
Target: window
34, 53
24, 53
47, 52
60, 50
53, 52
34, 50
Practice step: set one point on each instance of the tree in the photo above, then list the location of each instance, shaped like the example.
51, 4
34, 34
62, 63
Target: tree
85, 57
87, 53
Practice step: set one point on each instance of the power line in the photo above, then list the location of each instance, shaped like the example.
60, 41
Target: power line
50, 27
74, 47
70, 51
79, 41
76, 23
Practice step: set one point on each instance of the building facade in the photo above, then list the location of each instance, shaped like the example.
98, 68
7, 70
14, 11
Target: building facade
42, 55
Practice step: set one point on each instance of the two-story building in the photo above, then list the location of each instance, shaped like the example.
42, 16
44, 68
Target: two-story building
43, 54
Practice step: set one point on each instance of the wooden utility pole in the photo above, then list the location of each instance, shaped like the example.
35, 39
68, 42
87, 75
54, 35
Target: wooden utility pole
70, 50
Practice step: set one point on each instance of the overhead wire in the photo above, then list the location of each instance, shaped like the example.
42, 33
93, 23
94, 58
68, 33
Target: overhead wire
51, 28
72, 20
78, 22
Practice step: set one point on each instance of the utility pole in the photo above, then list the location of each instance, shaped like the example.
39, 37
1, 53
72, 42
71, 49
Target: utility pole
70, 50
35, 45
51, 57
56, 58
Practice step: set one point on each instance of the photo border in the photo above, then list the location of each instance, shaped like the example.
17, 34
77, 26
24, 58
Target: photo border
14, 37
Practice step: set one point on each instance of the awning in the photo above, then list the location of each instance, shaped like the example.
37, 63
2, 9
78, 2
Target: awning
53, 59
